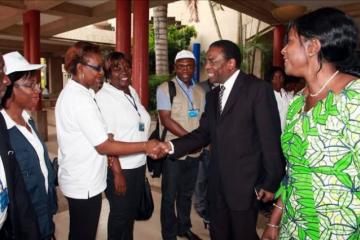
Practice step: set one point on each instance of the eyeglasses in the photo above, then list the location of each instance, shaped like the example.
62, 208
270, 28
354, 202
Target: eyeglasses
97, 68
184, 66
32, 86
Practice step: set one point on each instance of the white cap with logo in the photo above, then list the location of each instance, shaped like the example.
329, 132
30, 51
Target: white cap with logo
184, 54
15, 62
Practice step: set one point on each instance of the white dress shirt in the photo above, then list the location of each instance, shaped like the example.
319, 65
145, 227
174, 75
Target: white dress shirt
80, 127
122, 120
283, 99
229, 83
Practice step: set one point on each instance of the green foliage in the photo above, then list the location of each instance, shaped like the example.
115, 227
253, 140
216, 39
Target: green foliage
155, 81
179, 38
247, 50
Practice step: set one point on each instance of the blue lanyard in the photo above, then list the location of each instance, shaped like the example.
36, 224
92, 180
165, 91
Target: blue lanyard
133, 103
187, 95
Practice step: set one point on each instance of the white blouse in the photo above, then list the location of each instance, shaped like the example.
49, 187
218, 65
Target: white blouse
124, 115
33, 139
80, 128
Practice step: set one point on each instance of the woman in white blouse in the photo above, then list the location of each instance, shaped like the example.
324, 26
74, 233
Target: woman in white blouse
127, 119
30, 152
84, 141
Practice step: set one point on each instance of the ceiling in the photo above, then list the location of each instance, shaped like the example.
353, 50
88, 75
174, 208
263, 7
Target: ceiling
58, 16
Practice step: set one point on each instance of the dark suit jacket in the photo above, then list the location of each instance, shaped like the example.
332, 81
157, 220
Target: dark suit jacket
21, 222
245, 141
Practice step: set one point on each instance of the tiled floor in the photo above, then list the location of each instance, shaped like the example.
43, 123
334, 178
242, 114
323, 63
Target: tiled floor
144, 230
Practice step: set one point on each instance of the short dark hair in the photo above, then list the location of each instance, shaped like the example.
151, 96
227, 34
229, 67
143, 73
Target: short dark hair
13, 77
112, 57
230, 50
337, 34
77, 54
269, 75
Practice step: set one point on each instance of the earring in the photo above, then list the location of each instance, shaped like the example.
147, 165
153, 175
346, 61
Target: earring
82, 76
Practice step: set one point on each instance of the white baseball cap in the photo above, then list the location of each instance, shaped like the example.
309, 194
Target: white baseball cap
15, 62
184, 54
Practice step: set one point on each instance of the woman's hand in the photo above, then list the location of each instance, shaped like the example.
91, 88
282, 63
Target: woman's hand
119, 184
270, 233
155, 149
119, 179
273, 227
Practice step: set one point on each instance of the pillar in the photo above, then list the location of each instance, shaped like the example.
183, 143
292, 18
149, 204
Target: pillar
196, 51
55, 74
140, 71
279, 32
123, 26
31, 32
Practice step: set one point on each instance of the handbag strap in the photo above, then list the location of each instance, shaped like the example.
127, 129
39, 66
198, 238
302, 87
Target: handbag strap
172, 93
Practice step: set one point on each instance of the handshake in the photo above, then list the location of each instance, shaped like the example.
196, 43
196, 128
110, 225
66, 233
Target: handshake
156, 149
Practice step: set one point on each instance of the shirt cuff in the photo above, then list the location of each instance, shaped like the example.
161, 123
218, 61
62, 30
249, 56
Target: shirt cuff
172, 148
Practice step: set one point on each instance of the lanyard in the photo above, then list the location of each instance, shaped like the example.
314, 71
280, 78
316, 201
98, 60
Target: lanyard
97, 104
133, 103
187, 95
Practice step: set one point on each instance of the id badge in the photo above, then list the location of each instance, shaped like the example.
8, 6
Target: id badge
4, 198
141, 126
193, 113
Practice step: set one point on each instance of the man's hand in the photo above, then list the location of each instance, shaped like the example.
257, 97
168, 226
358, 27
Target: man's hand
156, 149
119, 184
265, 196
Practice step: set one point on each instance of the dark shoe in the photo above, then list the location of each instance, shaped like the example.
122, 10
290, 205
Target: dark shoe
189, 235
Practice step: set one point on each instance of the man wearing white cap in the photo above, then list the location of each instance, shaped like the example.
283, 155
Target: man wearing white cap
179, 174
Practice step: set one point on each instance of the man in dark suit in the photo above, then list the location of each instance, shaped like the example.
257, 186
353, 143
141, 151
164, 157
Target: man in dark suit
18, 218
242, 124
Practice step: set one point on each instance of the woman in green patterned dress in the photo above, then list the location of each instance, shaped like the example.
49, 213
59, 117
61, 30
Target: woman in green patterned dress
319, 197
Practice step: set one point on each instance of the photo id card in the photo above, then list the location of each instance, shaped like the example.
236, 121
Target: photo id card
193, 113
141, 126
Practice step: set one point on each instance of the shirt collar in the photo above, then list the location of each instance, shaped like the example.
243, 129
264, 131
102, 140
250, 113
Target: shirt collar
75, 84
11, 123
231, 80
183, 84
109, 87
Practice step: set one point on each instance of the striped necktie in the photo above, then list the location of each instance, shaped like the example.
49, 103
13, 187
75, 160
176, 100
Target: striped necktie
221, 93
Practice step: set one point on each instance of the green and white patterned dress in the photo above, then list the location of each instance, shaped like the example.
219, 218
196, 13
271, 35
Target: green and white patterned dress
321, 190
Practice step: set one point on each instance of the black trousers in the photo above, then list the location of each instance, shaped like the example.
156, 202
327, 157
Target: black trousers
201, 199
84, 217
227, 224
177, 186
123, 207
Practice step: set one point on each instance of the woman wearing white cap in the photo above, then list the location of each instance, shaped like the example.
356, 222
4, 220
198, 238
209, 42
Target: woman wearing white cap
31, 153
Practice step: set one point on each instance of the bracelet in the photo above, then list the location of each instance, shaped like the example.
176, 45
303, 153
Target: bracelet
277, 206
272, 225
